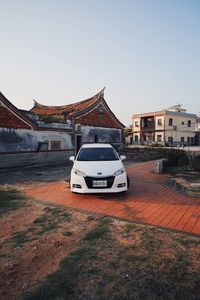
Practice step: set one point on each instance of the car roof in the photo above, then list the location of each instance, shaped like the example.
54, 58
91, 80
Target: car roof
96, 145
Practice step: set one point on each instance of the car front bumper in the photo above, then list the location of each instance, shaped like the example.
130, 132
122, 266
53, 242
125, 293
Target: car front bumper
81, 184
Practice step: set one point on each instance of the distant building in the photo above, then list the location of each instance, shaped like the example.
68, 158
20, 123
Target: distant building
197, 137
173, 126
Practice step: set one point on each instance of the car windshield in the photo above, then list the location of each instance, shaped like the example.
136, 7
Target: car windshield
97, 154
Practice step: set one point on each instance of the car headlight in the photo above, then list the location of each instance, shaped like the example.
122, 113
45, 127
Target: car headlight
119, 172
79, 173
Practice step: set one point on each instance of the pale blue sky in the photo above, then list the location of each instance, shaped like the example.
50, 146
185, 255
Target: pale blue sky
145, 52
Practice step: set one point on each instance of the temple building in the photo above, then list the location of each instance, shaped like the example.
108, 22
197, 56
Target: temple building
54, 128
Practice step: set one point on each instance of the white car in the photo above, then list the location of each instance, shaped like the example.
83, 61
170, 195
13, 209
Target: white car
98, 168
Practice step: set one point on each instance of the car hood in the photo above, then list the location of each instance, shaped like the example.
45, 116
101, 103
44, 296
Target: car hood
92, 168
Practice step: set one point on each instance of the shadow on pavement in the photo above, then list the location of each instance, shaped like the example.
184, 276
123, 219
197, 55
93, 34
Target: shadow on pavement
36, 174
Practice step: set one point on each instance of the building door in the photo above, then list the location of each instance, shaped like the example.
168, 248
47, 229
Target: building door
78, 143
96, 138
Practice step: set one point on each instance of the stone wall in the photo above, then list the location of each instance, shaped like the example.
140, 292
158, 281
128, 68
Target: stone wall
144, 154
93, 134
33, 159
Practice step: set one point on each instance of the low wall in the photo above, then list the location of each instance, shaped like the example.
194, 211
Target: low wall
34, 159
144, 154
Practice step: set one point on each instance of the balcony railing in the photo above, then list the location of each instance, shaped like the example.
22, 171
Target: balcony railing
148, 128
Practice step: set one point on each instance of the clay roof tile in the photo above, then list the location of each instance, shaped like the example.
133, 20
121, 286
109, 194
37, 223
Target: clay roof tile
70, 109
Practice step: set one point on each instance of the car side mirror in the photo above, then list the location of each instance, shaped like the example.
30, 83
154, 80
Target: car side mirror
72, 158
122, 157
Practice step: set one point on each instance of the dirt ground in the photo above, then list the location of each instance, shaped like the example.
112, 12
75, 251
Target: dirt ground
34, 239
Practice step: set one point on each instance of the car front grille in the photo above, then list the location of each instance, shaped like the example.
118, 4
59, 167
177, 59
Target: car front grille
89, 182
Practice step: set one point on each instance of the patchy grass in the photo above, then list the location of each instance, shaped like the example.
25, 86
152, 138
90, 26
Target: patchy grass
49, 221
101, 232
21, 237
10, 199
155, 264
41, 219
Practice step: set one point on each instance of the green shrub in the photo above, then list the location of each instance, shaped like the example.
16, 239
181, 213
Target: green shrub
176, 158
196, 162
184, 159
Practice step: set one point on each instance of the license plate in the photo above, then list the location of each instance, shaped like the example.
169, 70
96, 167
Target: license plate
99, 183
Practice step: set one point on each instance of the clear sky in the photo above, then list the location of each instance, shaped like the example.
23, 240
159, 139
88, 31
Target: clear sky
145, 52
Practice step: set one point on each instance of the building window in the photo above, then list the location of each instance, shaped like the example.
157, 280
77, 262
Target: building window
182, 139
188, 140
192, 140
159, 122
136, 124
96, 139
189, 123
55, 145
43, 146
170, 139
136, 138
183, 123
159, 138
170, 122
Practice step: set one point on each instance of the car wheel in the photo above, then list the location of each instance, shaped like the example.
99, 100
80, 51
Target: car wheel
128, 182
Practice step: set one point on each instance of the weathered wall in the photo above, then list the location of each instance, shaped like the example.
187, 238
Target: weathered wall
34, 159
16, 140
104, 135
13, 140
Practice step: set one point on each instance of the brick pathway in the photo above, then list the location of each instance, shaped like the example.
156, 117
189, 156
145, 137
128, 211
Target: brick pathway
148, 201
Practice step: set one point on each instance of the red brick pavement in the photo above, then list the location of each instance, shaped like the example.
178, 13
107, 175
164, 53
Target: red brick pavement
148, 201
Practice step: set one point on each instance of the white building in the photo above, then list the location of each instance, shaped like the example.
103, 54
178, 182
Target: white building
173, 126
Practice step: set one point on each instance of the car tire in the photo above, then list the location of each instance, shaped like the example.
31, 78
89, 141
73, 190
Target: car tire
128, 182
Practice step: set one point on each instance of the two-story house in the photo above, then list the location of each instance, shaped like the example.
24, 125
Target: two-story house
173, 126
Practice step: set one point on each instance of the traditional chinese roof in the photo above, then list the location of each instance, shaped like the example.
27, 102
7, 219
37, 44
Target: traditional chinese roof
76, 109
70, 109
5, 102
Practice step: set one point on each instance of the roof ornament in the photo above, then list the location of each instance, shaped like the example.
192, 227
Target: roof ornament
36, 104
102, 92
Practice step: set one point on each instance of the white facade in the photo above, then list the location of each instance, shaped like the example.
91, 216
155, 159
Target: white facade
159, 137
29, 140
159, 123
171, 126
180, 127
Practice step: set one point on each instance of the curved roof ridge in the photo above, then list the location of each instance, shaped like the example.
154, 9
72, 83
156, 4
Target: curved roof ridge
37, 104
70, 109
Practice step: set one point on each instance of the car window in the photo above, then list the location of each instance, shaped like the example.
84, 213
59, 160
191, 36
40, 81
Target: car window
97, 154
